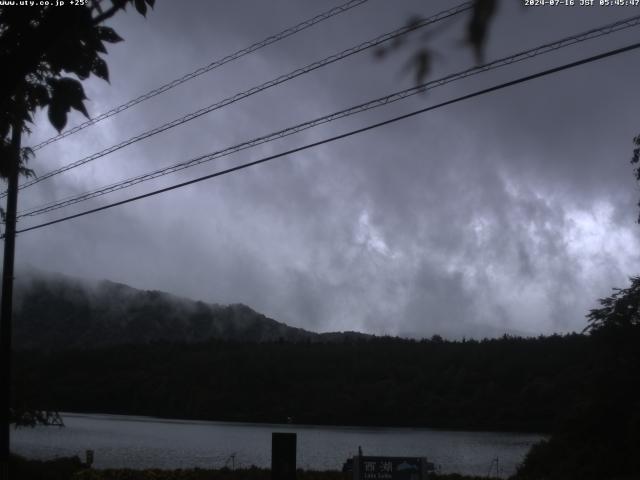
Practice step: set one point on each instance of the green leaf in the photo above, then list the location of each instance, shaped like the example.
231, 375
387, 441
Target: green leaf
68, 93
57, 116
380, 52
107, 34
26, 172
141, 7
93, 41
27, 153
100, 69
478, 26
39, 95
79, 62
423, 65
414, 21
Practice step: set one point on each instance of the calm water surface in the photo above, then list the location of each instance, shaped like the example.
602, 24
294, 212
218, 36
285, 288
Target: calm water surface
143, 442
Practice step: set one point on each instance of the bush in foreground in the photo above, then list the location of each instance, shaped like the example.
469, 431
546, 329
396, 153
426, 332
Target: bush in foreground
58, 469
73, 469
223, 474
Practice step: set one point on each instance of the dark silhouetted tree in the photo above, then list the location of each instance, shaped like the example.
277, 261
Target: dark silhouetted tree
635, 160
619, 312
600, 435
45, 53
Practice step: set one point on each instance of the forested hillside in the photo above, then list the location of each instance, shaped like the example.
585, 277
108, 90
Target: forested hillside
502, 384
56, 312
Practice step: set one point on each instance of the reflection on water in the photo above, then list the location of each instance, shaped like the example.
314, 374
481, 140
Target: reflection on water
142, 442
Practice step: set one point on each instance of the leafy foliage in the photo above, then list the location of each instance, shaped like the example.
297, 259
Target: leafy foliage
635, 160
620, 311
50, 51
478, 25
92, 314
600, 439
73, 469
476, 35
185, 474
26, 417
58, 469
503, 384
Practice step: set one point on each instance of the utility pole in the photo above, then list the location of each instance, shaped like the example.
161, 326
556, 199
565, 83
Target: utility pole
6, 305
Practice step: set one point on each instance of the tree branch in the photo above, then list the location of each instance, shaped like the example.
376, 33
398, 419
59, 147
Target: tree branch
106, 14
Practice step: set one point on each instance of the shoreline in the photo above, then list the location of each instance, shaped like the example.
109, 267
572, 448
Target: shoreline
189, 421
71, 468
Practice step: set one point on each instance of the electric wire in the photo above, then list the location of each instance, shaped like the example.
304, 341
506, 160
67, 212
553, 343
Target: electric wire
239, 96
243, 166
207, 68
394, 97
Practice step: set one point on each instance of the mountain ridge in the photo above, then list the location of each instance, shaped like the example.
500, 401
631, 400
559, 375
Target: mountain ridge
55, 311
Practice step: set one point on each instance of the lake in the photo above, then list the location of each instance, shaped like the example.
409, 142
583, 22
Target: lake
144, 442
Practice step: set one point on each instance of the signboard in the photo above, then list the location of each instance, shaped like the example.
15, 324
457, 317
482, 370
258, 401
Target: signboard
389, 468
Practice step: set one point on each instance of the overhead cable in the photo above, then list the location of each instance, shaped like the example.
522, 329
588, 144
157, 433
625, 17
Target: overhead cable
252, 91
207, 68
378, 102
341, 136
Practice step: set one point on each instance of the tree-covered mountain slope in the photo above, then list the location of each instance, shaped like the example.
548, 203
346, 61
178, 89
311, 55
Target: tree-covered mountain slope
54, 311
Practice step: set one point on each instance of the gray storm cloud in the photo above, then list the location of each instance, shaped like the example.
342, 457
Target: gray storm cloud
509, 213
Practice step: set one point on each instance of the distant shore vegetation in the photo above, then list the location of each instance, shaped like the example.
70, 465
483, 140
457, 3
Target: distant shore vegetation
506, 384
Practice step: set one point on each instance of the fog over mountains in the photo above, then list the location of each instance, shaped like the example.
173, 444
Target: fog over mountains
55, 311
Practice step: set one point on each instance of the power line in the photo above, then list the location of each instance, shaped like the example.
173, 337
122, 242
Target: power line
207, 68
341, 136
527, 54
239, 96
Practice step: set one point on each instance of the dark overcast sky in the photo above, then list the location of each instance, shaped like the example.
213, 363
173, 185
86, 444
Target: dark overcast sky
510, 212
